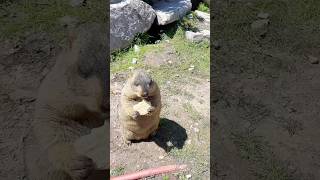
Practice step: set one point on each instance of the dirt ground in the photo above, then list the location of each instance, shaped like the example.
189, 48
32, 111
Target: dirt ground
23, 65
266, 92
182, 137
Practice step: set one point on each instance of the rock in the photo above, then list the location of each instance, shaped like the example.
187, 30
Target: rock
188, 176
136, 48
134, 60
260, 24
157, 42
313, 60
203, 35
77, 3
131, 68
168, 12
263, 15
127, 19
216, 45
68, 21
203, 16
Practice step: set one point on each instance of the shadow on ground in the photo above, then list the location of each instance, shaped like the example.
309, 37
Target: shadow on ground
170, 135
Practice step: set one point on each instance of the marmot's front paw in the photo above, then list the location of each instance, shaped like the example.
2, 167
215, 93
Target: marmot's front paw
80, 167
135, 115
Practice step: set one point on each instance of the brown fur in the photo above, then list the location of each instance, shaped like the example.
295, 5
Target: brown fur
71, 100
134, 125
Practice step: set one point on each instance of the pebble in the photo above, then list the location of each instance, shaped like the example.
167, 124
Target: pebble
167, 41
169, 144
170, 62
161, 157
136, 48
134, 60
189, 141
216, 45
190, 69
131, 68
157, 42
188, 176
196, 130
258, 24
313, 60
263, 15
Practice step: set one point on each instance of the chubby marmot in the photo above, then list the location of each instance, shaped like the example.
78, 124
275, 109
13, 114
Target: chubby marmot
139, 88
72, 99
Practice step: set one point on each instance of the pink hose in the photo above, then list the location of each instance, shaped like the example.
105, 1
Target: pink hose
150, 172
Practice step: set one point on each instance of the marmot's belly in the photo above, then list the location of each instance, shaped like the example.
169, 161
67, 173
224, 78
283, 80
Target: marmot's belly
142, 124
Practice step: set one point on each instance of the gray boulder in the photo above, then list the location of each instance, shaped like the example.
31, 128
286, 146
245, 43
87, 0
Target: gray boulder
127, 19
170, 11
197, 37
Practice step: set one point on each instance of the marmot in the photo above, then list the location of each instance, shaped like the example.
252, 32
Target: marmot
139, 87
72, 99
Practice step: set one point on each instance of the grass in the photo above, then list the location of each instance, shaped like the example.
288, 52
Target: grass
195, 115
203, 7
188, 54
29, 16
117, 171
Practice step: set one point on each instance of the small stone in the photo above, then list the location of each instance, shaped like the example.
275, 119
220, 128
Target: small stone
216, 45
189, 141
263, 15
313, 60
169, 144
134, 60
177, 75
168, 82
170, 62
136, 48
157, 42
77, 3
131, 68
196, 130
191, 68
188, 176
167, 41
259, 24
161, 157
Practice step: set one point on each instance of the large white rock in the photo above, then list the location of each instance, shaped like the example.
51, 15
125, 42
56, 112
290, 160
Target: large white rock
170, 11
127, 19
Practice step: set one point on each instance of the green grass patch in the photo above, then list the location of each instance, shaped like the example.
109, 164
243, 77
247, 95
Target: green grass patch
117, 171
30, 16
195, 115
203, 7
187, 54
